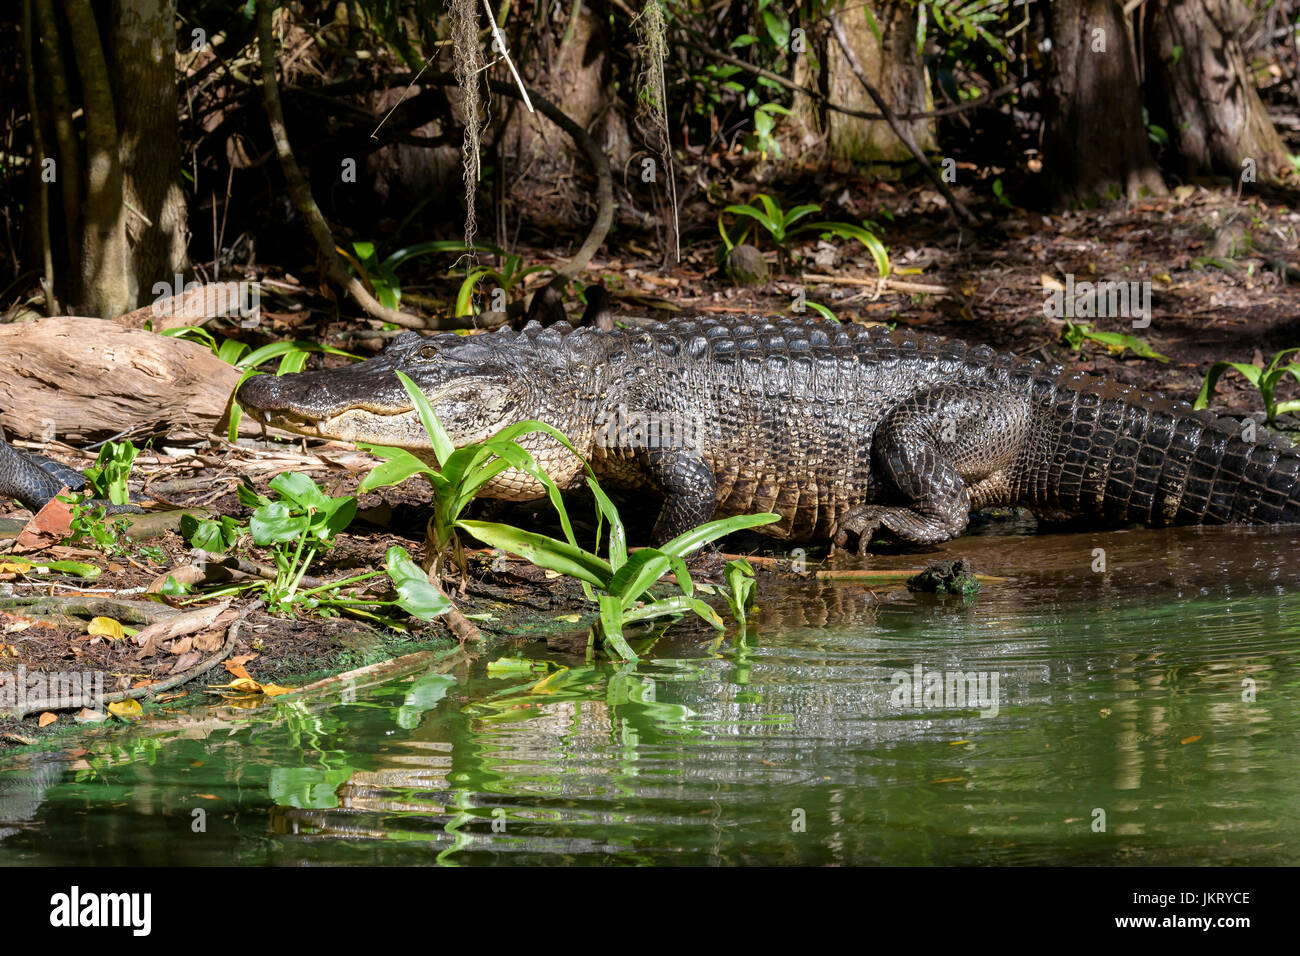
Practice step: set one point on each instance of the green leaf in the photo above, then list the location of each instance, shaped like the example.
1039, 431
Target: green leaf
195, 334
543, 551
247, 496
274, 523
611, 627
465, 295
675, 605
846, 230
1252, 374
643, 568
442, 445
399, 465
765, 221
686, 544
214, 536
107, 478
415, 594
617, 534
821, 310
300, 490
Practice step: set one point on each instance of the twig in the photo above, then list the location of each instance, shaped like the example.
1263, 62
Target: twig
825, 100
328, 259
202, 667
899, 130
895, 285
505, 55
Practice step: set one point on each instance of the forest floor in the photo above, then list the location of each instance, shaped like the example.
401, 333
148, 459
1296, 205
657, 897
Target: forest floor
1217, 267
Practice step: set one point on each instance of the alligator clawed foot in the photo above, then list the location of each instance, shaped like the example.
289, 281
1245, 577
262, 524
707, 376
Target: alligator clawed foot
863, 521
911, 525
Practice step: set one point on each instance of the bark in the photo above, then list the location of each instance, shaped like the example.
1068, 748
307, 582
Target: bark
68, 162
893, 66
143, 59
1094, 142
107, 284
86, 379
570, 67
1200, 92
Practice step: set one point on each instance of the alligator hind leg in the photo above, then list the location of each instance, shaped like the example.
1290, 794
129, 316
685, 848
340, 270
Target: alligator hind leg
935, 456
689, 491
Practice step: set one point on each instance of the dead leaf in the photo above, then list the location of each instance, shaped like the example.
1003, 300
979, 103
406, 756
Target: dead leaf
48, 526
46, 719
238, 670
126, 709
183, 646
187, 623
185, 662
244, 658
186, 574
106, 627
1192, 739
209, 641
88, 716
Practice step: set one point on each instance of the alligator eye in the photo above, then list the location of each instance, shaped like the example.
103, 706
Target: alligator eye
428, 351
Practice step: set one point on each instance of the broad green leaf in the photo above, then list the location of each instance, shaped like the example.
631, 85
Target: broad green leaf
442, 444
543, 551
274, 523
301, 490
415, 594
686, 544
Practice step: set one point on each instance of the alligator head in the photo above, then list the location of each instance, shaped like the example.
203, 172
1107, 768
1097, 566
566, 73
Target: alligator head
476, 384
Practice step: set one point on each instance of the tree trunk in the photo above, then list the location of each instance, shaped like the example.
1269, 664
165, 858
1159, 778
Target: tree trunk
143, 57
893, 66
570, 66
123, 221
1094, 143
106, 281
1199, 90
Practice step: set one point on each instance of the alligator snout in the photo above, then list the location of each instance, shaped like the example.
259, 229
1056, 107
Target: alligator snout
259, 392
305, 395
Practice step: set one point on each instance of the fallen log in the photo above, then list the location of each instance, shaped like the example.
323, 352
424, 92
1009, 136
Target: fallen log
84, 379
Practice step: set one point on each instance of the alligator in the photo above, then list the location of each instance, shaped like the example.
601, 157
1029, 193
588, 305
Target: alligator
840, 430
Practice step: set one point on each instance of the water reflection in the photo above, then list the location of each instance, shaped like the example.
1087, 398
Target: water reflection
1147, 713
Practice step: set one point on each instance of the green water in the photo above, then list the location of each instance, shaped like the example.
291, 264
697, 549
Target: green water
1164, 694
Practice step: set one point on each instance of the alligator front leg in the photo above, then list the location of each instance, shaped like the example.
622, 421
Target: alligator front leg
690, 493
34, 479
936, 456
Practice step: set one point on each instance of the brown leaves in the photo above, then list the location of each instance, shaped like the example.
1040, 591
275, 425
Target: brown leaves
189, 622
48, 526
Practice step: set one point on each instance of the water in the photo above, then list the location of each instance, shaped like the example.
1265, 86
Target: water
1145, 714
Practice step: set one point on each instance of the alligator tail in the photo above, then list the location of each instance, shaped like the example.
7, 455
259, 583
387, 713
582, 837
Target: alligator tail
1135, 456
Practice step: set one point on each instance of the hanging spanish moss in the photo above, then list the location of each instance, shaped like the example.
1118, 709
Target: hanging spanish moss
652, 99
468, 66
